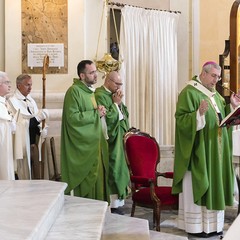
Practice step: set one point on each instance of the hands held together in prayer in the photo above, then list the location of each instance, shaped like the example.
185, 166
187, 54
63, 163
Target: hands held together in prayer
101, 110
117, 96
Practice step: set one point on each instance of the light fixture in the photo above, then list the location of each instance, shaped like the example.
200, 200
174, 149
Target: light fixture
107, 63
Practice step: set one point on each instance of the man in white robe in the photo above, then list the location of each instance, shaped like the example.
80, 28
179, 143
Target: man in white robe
28, 124
7, 128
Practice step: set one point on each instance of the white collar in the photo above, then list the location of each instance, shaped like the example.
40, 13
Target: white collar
19, 95
107, 89
2, 99
201, 88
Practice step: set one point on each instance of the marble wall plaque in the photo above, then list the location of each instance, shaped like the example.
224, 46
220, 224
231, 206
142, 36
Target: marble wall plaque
44, 22
36, 53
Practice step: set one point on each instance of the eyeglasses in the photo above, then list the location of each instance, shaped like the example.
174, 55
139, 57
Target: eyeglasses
119, 84
6, 82
92, 72
213, 75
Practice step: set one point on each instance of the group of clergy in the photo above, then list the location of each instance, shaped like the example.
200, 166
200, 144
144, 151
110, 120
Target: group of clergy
20, 128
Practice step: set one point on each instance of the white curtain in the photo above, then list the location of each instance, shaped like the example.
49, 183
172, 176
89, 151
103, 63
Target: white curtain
148, 46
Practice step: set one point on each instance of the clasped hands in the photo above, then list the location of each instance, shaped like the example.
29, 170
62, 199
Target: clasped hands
102, 110
117, 97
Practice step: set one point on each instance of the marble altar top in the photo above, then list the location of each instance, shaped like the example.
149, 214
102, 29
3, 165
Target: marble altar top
80, 218
29, 208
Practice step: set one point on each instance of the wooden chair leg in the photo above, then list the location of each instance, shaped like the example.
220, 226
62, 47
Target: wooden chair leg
57, 176
154, 217
133, 209
158, 215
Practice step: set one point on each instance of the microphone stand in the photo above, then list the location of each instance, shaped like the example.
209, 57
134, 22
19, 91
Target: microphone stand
219, 84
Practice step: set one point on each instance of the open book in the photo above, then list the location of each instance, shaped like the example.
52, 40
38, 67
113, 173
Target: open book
233, 118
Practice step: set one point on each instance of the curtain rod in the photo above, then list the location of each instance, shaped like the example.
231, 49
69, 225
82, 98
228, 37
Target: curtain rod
120, 5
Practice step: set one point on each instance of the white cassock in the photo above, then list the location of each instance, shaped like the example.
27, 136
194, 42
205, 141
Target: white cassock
6, 145
18, 102
193, 218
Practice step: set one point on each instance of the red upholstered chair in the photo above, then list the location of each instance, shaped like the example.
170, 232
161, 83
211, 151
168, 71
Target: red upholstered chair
143, 155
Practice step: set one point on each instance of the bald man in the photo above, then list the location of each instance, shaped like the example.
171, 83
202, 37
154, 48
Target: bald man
110, 96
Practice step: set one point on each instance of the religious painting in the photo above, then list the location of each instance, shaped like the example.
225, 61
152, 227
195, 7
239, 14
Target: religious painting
44, 23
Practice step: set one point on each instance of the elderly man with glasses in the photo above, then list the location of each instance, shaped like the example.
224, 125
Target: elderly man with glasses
203, 171
7, 128
29, 123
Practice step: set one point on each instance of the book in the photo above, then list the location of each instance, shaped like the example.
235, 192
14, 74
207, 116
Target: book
233, 118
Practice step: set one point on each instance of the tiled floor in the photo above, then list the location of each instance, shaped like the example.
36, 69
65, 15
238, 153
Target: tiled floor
169, 220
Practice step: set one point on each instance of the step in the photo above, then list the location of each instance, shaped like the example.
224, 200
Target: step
165, 236
124, 227
80, 218
29, 208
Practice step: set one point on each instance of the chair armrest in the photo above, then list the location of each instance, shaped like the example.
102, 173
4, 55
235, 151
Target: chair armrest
165, 174
141, 180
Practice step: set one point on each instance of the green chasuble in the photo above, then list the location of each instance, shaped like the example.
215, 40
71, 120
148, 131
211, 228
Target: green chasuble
207, 153
84, 151
118, 170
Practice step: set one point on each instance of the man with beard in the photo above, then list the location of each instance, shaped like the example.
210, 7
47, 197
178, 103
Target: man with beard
84, 155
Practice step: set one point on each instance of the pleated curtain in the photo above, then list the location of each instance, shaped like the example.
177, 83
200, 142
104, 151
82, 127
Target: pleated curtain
148, 47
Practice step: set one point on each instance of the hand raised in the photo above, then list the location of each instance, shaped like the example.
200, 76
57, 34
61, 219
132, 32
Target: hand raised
203, 107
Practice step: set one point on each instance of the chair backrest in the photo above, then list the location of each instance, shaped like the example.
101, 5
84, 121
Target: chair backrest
142, 153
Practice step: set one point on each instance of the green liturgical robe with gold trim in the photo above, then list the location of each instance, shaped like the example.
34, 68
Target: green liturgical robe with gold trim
207, 153
84, 150
118, 170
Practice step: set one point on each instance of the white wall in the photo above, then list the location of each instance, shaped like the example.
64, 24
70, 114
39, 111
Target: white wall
183, 40
83, 28
2, 52
84, 18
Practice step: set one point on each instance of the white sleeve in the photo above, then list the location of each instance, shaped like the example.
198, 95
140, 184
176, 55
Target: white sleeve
119, 111
200, 121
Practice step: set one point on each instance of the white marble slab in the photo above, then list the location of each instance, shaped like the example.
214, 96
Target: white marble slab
119, 227
29, 208
165, 236
233, 232
80, 218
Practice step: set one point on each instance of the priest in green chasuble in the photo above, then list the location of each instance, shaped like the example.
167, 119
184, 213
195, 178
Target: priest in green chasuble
84, 150
203, 170
110, 96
